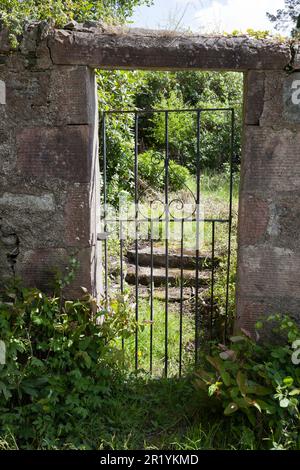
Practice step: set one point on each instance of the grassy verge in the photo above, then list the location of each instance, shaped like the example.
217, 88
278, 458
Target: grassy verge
154, 414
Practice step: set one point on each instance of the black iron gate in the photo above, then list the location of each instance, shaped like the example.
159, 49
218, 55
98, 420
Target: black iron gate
146, 268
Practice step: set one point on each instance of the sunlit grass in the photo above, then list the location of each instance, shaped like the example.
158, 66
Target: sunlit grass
158, 328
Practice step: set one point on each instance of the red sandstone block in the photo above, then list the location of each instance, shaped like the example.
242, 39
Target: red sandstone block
271, 160
71, 95
273, 99
77, 216
266, 271
39, 268
61, 152
249, 311
253, 219
254, 96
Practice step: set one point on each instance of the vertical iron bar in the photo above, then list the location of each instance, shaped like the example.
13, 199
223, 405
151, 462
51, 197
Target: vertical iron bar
229, 224
105, 204
151, 299
136, 196
121, 268
167, 238
181, 297
197, 313
212, 277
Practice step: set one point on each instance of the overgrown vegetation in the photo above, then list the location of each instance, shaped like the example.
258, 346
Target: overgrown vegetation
60, 365
15, 14
64, 384
261, 381
157, 90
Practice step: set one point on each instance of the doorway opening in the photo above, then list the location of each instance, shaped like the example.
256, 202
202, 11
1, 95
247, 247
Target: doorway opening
170, 183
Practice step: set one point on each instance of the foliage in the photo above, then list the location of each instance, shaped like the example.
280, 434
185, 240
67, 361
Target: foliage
14, 14
161, 90
257, 34
152, 171
60, 362
287, 16
202, 90
117, 90
259, 380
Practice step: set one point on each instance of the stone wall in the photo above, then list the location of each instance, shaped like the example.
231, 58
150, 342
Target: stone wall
269, 216
49, 178
49, 175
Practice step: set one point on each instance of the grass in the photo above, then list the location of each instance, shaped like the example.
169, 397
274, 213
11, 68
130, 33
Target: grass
164, 414
158, 328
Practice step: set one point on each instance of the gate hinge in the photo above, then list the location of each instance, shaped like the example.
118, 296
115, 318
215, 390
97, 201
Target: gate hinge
102, 236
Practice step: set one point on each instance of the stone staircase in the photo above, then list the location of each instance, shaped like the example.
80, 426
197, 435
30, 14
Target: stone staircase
188, 261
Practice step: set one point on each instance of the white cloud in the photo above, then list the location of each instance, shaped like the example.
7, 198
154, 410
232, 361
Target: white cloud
236, 14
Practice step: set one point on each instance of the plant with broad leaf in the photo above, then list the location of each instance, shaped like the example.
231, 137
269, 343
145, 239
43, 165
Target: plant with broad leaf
257, 379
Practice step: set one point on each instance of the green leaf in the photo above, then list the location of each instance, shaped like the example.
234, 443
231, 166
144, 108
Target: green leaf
296, 391
212, 389
215, 362
241, 381
237, 339
265, 406
288, 381
256, 389
230, 409
256, 405
226, 378
284, 403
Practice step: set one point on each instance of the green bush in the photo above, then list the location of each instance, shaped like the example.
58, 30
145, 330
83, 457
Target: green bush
258, 380
152, 171
15, 13
60, 365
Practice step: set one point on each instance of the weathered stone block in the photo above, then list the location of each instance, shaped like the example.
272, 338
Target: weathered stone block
272, 115
71, 95
37, 220
266, 271
254, 97
270, 163
62, 153
77, 214
284, 222
253, 220
134, 48
41, 267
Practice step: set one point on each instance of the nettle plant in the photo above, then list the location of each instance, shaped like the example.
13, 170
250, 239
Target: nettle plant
259, 380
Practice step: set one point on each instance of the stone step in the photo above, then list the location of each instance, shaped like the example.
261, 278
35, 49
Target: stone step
189, 259
159, 276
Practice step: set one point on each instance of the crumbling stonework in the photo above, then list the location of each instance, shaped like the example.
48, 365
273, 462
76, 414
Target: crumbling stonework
49, 175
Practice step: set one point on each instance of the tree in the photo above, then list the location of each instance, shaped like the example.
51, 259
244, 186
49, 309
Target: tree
14, 14
289, 15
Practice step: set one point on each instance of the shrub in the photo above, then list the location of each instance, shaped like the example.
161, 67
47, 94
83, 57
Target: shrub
152, 171
60, 363
258, 380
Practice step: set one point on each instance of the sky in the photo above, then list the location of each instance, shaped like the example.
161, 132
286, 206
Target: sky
207, 15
